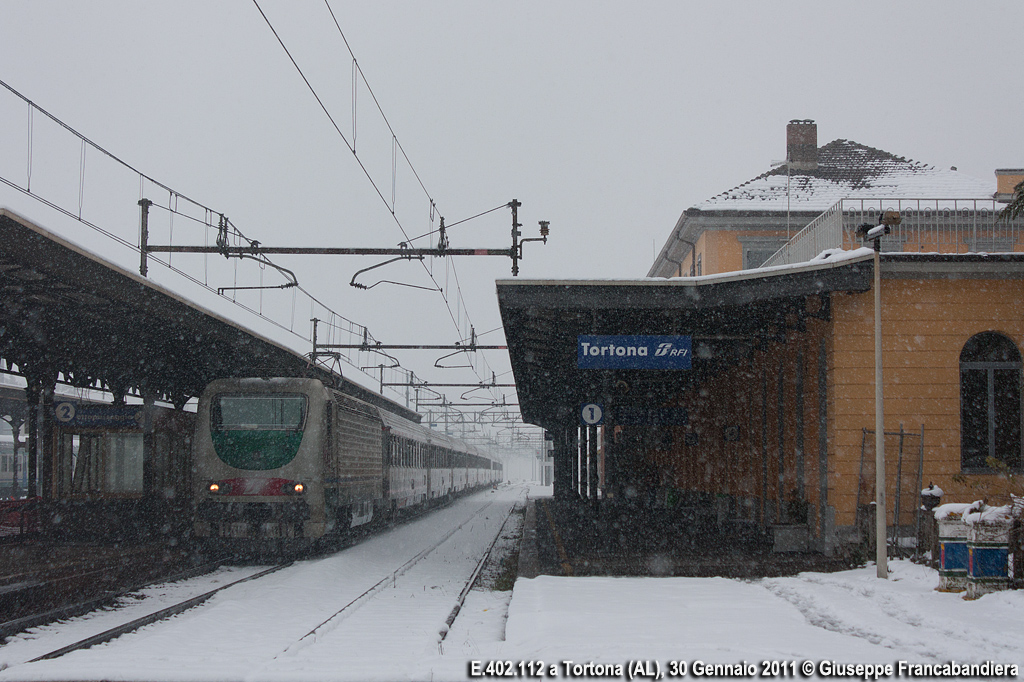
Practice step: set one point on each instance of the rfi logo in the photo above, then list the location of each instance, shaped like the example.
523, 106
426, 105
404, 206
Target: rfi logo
668, 349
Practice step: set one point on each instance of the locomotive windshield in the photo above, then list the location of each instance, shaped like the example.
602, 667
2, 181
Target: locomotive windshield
258, 431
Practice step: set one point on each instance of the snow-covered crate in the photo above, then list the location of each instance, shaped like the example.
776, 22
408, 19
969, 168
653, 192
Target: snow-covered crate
988, 537
952, 547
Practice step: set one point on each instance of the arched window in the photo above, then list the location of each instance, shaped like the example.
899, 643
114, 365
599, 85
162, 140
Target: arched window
990, 401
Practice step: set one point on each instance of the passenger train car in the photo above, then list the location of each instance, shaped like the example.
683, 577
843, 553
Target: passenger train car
283, 462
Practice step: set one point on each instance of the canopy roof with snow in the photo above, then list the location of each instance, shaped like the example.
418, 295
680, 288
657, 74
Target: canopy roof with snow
68, 311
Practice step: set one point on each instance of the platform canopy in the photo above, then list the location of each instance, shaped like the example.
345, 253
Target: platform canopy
65, 310
726, 316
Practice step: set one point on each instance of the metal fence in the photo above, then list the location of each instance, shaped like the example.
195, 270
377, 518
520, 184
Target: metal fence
928, 226
824, 232
904, 477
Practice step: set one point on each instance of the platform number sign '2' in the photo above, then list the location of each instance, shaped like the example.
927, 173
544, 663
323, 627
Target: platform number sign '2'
591, 414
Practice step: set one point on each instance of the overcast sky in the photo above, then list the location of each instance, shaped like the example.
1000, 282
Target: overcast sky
606, 118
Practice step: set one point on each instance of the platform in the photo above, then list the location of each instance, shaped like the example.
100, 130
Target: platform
43, 573
580, 538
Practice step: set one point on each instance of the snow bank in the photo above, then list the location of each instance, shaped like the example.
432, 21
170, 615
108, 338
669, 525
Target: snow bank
951, 510
980, 513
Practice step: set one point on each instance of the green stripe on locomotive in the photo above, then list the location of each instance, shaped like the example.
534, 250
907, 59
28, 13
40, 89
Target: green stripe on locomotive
256, 450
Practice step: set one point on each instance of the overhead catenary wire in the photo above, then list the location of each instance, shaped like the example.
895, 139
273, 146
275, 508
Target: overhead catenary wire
35, 107
176, 198
448, 226
460, 301
75, 213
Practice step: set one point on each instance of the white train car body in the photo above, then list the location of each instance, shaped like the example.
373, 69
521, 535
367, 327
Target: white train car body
290, 461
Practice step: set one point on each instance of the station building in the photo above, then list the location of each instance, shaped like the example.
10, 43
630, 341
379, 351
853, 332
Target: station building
771, 427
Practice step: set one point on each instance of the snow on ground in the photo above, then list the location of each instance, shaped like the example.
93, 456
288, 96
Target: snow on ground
242, 630
46, 638
849, 617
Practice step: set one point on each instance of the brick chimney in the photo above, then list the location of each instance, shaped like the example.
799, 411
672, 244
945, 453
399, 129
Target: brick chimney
802, 144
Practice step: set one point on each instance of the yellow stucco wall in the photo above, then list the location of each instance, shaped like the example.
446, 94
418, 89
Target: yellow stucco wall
925, 324
1005, 182
721, 250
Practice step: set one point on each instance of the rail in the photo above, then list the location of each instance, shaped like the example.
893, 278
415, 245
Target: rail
106, 598
472, 580
390, 578
162, 614
928, 226
12, 627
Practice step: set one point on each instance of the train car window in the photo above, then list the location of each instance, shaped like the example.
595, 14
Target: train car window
279, 412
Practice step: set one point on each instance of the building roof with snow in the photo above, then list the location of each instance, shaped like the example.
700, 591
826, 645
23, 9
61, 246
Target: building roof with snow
743, 227
847, 170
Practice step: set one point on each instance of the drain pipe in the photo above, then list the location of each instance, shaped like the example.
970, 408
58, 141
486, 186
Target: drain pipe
693, 257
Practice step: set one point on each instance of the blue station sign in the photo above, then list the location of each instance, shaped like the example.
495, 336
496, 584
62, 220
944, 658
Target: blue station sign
632, 352
91, 416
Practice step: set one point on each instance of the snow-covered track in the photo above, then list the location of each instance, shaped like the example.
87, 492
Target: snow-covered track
162, 614
14, 626
476, 575
345, 610
396, 585
49, 581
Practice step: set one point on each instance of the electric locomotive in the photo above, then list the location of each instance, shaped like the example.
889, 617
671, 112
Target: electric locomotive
283, 462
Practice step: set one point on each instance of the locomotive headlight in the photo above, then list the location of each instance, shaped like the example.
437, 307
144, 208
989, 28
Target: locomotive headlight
298, 488
213, 487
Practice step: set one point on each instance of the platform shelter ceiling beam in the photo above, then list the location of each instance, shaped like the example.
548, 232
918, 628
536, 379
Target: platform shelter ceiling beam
92, 321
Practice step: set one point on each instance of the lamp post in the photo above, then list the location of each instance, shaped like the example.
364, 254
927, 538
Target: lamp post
874, 234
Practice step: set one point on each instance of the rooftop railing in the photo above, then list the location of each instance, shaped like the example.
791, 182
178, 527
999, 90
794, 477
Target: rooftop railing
928, 226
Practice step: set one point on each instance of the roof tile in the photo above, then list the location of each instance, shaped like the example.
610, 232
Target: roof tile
848, 169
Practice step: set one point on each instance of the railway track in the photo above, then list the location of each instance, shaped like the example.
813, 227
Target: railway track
452, 538
70, 587
77, 608
354, 604
162, 614
27, 599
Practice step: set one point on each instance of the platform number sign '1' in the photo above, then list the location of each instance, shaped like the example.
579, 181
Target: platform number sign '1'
591, 414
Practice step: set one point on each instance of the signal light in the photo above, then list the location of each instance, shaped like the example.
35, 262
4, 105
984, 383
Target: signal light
298, 488
213, 487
